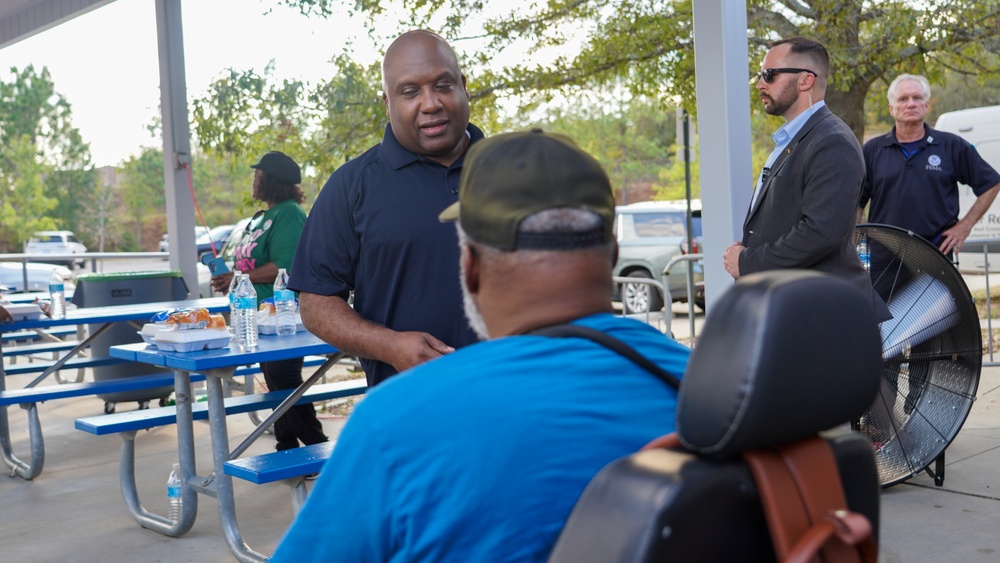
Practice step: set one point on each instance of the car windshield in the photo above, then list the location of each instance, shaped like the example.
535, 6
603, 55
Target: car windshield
215, 235
661, 224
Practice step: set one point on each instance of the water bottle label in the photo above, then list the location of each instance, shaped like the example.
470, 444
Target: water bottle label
173, 491
55, 288
246, 303
284, 295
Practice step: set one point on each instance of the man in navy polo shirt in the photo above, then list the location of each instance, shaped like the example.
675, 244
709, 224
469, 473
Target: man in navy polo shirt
912, 182
374, 229
913, 172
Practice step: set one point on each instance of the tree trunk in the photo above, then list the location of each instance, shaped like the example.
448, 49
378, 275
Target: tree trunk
850, 106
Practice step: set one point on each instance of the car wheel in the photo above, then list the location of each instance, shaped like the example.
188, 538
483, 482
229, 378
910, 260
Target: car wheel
640, 297
699, 298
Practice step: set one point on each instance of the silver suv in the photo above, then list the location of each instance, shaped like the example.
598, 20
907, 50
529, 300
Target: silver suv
649, 235
55, 242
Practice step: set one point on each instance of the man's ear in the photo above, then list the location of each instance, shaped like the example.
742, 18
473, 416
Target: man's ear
470, 269
385, 103
807, 81
614, 253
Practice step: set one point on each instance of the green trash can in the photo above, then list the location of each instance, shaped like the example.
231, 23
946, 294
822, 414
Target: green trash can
127, 288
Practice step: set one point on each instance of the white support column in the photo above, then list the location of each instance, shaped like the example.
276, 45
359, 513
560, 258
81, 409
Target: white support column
722, 68
176, 141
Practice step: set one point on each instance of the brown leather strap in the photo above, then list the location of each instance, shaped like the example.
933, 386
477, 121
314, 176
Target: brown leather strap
851, 528
805, 505
669, 441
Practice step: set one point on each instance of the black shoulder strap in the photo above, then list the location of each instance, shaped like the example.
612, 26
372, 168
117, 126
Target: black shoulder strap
610, 342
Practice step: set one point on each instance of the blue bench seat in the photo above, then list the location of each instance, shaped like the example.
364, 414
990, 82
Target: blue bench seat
31, 335
51, 392
307, 361
81, 363
162, 416
40, 348
276, 466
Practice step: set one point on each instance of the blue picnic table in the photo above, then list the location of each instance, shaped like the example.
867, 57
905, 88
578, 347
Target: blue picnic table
105, 317
217, 365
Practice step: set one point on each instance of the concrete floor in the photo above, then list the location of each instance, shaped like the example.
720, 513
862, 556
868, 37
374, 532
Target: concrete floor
74, 511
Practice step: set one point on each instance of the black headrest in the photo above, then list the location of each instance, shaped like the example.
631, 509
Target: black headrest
783, 355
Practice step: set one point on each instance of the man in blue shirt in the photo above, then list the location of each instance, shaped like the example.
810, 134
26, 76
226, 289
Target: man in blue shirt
374, 230
480, 455
914, 171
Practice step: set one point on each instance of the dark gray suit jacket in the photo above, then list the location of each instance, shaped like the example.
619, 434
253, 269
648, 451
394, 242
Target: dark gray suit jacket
805, 214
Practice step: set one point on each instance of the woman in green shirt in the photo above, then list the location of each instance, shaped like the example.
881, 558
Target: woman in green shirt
268, 243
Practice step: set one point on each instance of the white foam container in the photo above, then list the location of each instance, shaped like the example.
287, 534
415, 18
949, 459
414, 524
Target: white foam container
24, 311
190, 340
267, 324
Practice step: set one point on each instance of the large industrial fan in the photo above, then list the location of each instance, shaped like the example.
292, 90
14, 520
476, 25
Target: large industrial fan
932, 352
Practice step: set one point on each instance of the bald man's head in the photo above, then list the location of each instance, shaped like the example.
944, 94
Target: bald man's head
425, 96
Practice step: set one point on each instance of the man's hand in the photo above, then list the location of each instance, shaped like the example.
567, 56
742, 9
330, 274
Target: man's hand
731, 259
413, 348
330, 317
952, 239
5, 315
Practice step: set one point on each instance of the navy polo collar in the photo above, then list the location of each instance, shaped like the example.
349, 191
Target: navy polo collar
399, 156
930, 137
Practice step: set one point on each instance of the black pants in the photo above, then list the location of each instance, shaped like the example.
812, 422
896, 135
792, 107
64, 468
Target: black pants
300, 422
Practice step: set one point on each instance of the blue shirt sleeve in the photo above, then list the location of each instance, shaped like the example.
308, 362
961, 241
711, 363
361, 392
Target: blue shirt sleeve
346, 516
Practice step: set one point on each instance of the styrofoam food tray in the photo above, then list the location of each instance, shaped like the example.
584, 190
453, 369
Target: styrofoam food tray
266, 324
150, 330
192, 346
172, 340
24, 311
271, 328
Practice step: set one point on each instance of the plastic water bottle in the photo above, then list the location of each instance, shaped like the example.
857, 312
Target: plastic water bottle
284, 305
174, 493
232, 301
864, 254
57, 296
245, 325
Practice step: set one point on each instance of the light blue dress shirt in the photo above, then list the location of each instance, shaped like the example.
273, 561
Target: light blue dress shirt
782, 137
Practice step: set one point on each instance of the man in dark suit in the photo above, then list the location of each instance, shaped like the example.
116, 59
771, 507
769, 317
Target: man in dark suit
803, 208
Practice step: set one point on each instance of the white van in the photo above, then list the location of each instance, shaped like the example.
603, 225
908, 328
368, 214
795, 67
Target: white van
981, 127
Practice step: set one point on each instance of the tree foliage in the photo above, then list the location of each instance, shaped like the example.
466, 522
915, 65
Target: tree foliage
244, 114
649, 45
45, 167
633, 139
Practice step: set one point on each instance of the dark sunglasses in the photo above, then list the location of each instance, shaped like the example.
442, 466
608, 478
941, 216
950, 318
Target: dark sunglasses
768, 73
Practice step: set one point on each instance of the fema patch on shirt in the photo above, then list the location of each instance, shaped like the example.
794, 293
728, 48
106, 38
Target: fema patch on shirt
933, 163
267, 224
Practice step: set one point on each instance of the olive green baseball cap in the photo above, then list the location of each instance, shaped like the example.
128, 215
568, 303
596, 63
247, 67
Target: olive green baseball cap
510, 176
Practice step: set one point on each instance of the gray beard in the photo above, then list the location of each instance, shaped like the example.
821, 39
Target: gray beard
475, 319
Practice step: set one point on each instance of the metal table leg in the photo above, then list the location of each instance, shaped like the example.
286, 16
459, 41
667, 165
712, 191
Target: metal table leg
33, 468
220, 455
191, 483
19, 468
220, 452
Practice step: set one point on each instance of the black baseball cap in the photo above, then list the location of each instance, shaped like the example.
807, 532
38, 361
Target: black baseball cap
280, 166
510, 176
